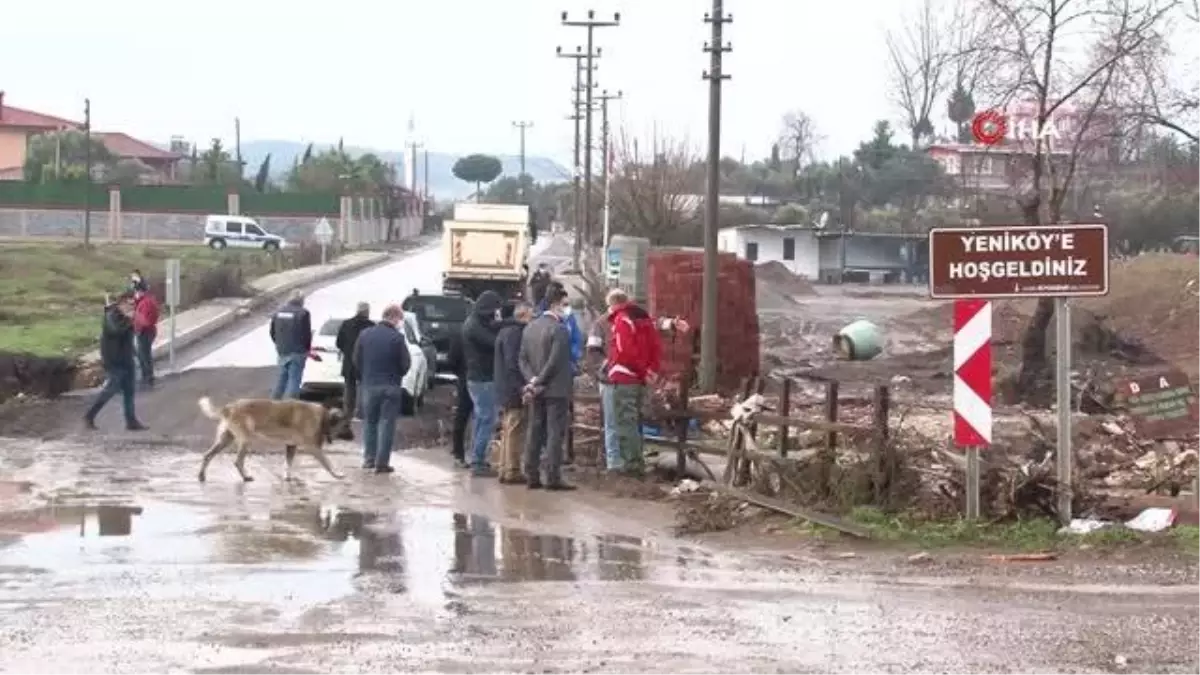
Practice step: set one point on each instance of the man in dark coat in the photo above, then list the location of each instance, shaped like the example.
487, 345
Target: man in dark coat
381, 357
546, 366
538, 284
479, 348
347, 335
463, 407
116, 354
510, 384
291, 331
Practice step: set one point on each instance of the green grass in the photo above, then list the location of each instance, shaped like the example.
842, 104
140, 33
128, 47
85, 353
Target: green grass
1039, 534
52, 294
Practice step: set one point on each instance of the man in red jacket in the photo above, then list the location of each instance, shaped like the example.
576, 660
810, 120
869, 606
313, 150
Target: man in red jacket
145, 330
634, 359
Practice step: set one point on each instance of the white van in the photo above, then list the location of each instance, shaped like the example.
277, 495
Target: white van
239, 232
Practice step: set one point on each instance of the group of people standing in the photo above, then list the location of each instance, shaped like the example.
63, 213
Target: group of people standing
127, 334
517, 364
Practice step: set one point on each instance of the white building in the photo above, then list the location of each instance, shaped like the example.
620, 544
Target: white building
796, 246
826, 256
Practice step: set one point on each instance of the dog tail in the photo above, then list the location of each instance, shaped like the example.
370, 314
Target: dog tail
209, 410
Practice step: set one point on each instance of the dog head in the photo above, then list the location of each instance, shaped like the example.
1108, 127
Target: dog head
333, 421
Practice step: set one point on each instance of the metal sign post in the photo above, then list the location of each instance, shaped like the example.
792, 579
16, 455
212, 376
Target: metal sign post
1022, 261
172, 298
324, 235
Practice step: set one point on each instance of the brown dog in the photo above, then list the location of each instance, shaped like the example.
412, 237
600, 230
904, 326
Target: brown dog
298, 424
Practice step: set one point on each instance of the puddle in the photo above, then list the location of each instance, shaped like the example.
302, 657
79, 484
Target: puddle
306, 553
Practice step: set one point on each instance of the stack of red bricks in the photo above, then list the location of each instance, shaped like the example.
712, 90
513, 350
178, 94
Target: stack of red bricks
674, 282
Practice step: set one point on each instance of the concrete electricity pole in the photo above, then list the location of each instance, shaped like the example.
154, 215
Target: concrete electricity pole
411, 161
590, 23
606, 157
715, 76
579, 56
522, 126
87, 169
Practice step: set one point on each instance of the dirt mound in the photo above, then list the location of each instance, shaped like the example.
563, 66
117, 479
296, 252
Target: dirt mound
782, 280
34, 375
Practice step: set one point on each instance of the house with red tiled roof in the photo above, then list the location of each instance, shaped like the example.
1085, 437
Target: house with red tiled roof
18, 126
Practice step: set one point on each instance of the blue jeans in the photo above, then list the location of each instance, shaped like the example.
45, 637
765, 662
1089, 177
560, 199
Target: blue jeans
116, 380
612, 444
291, 369
483, 398
381, 407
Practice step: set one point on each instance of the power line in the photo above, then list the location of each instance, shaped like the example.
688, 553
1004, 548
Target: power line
579, 57
715, 76
591, 23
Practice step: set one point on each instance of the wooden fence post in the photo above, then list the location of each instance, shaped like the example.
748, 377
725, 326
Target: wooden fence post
785, 405
885, 453
685, 390
831, 437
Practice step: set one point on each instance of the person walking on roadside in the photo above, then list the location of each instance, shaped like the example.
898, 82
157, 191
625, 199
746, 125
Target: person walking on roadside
479, 350
510, 384
538, 284
291, 331
381, 359
117, 357
145, 330
634, 356
545, 363
457, 362
347, 336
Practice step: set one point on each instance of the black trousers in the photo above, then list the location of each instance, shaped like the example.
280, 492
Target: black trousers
350, 397
462, 415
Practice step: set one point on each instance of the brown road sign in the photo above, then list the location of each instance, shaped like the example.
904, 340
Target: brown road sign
1162, 405
1018, 261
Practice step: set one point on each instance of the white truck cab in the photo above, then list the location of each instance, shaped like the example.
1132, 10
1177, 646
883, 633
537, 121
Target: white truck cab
239, 232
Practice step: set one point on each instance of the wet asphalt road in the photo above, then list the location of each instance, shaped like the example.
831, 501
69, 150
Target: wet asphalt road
113, 558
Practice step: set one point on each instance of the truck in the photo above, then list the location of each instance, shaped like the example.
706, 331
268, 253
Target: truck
486, 247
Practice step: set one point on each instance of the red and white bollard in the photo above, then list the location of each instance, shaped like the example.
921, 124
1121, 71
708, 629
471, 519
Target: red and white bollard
972, 388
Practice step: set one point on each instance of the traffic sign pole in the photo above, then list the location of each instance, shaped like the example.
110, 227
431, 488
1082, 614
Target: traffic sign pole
972, 388
1062, 385
172, 298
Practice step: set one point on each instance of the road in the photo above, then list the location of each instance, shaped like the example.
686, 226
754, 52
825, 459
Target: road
113, 558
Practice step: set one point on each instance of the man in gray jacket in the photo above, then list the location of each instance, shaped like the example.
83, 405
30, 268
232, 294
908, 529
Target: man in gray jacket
545, 361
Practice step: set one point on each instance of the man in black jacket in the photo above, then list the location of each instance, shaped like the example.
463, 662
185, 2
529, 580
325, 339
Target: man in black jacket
463, 407
479, 348
347, 335
381, 357
510, 384
116, 354
291, 331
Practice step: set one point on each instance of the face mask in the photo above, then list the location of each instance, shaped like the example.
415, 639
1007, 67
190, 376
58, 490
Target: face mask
497, 315
566, 310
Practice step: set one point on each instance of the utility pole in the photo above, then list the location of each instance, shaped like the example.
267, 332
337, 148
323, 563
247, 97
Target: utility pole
591, 23
411, 161
606, 157
578, 55
87, 170
715, 76
425, 186
237, 145
522, 126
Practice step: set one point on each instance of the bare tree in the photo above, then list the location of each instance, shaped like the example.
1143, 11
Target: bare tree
798, 140
1060, 55
919, 58
1160, 83
655, 191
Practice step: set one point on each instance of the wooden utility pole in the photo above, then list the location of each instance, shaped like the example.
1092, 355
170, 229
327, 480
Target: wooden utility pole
715, 76
87, 170
591, 23
578, 56
522, 126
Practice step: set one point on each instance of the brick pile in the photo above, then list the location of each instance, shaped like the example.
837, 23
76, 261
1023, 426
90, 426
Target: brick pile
674, 288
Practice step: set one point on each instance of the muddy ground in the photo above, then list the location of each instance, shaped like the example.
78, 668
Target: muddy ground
113, 558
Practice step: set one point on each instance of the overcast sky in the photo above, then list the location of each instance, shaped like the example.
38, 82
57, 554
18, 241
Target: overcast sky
465, 69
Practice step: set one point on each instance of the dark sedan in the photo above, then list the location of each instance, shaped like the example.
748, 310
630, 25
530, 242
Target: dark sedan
439, 317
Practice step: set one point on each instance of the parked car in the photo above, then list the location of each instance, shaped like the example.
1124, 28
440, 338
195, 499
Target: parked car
439, 317
323, 379
239, 232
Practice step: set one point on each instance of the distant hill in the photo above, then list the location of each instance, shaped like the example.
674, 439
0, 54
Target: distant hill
442, 182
